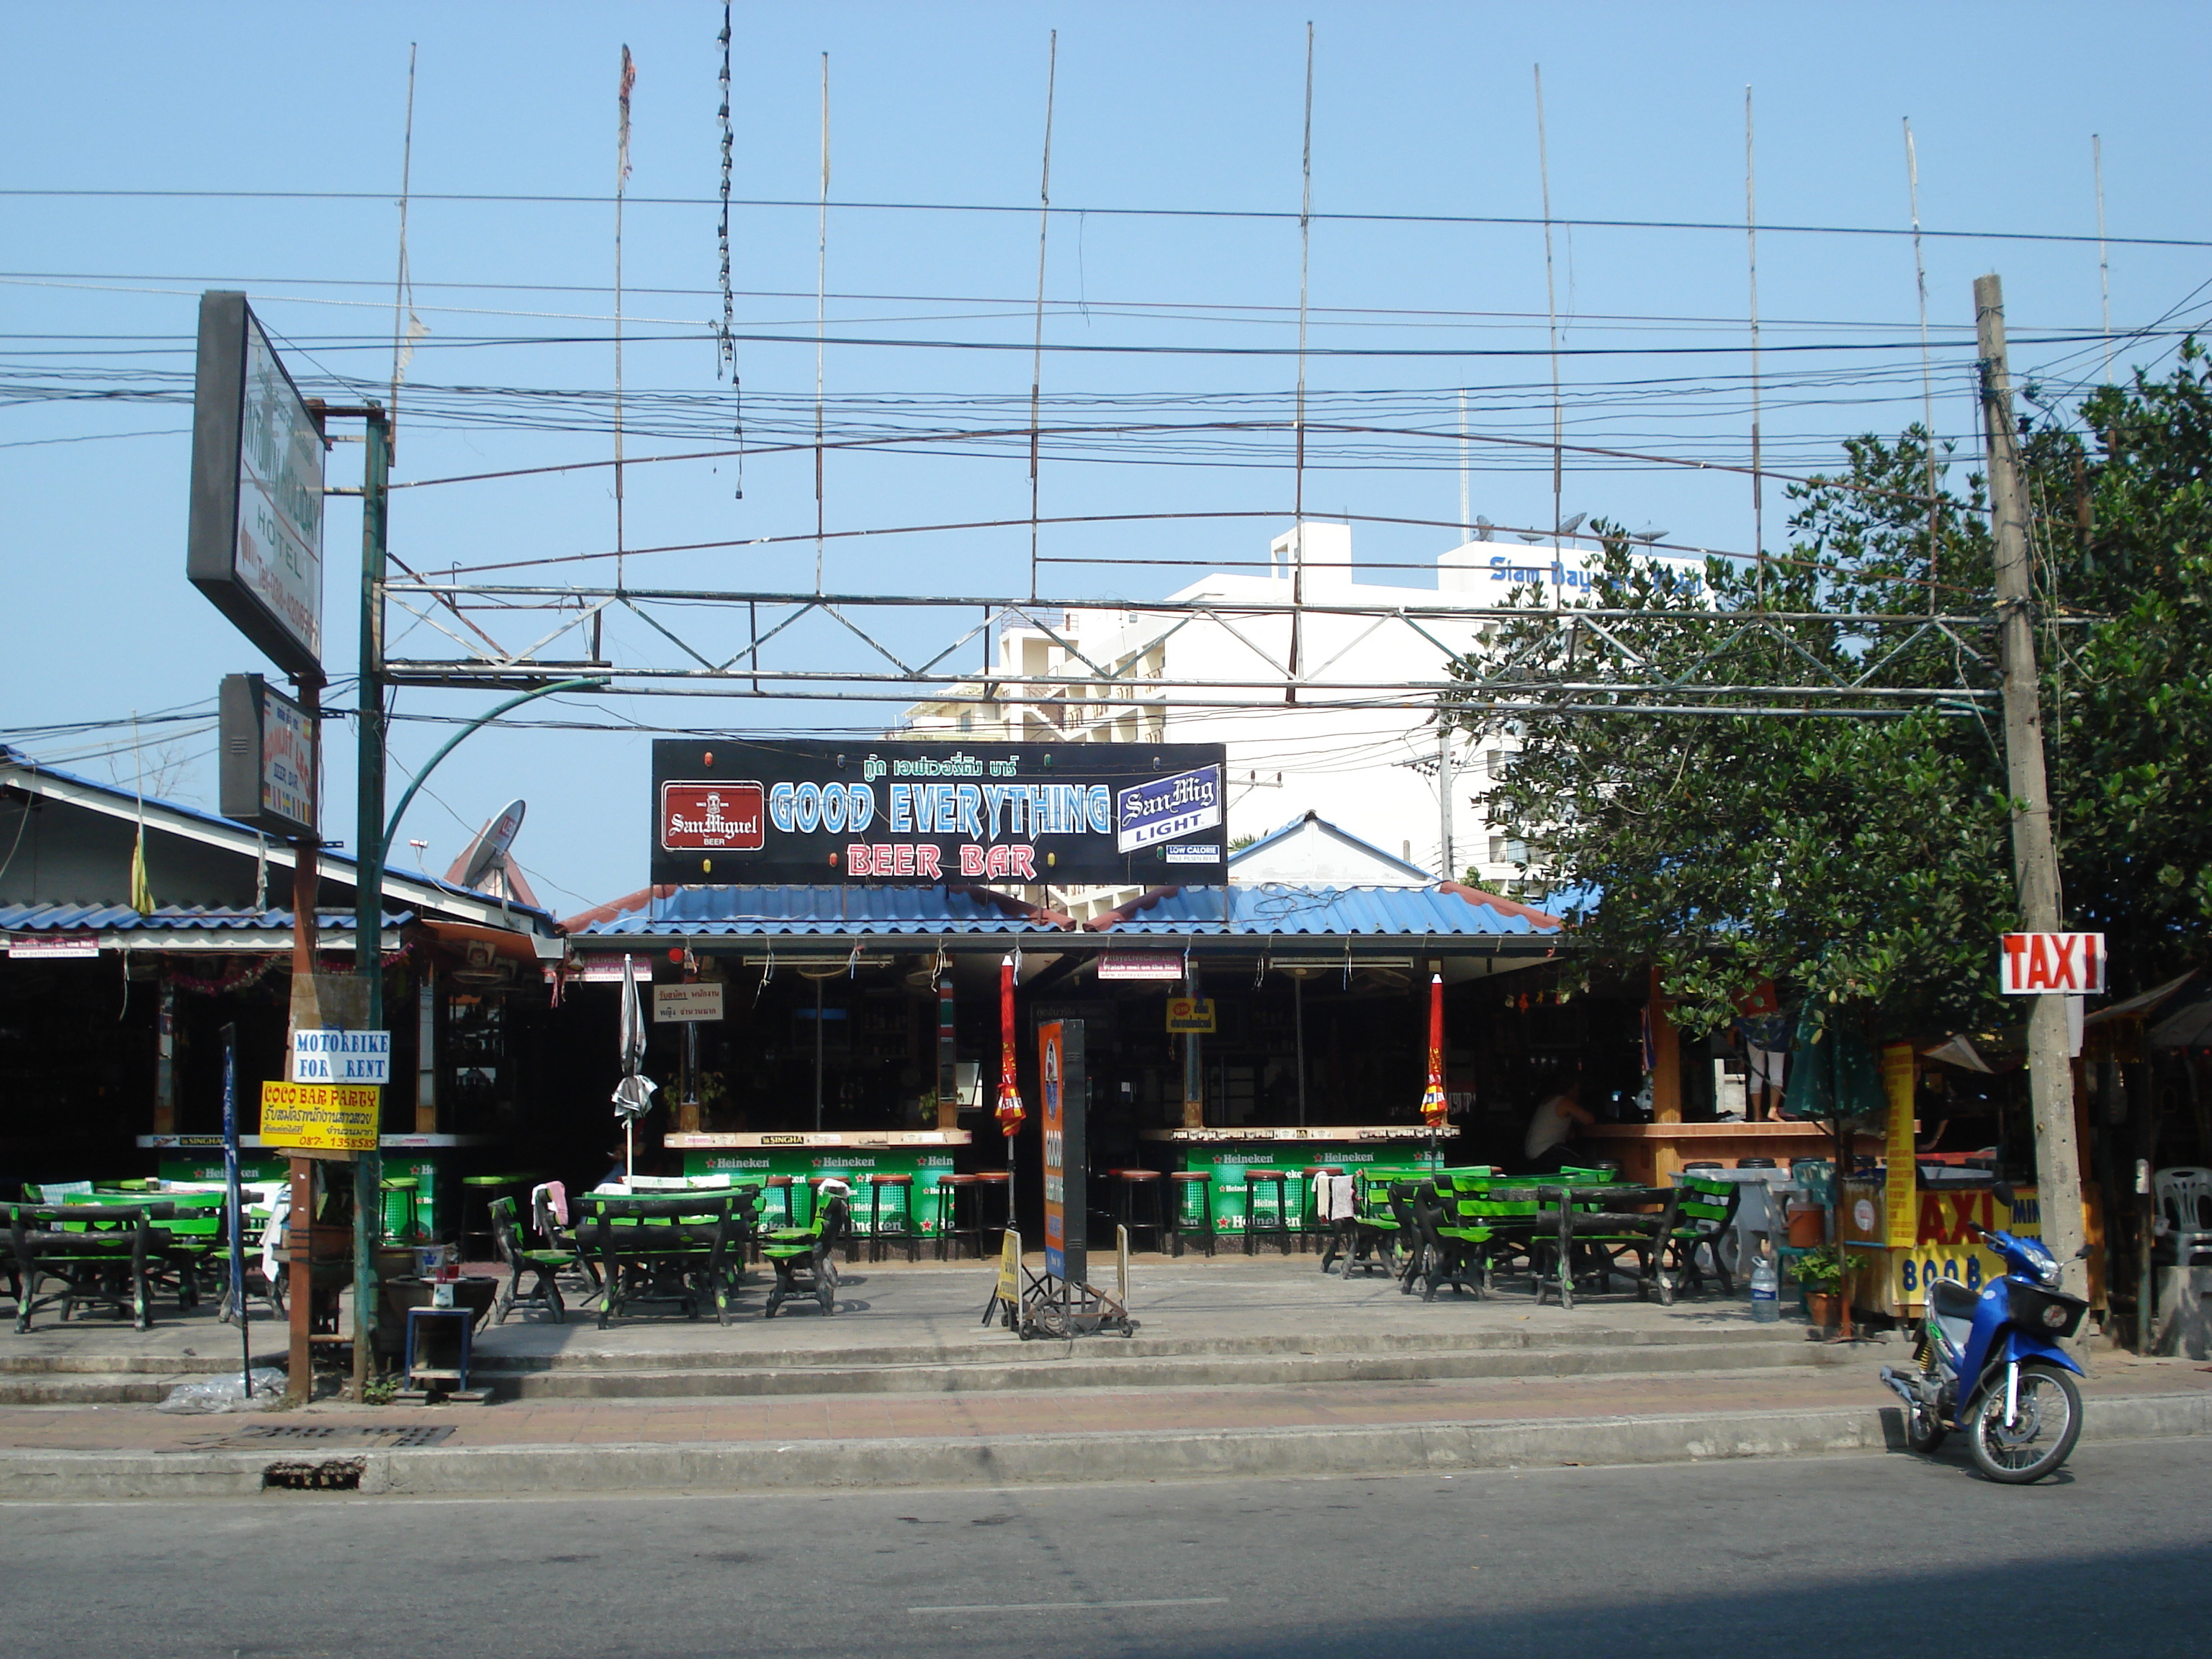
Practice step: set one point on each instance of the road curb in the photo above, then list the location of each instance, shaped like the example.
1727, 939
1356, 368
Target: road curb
827, 1465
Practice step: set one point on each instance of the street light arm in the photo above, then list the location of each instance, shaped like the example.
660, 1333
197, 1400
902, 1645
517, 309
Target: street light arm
391, 830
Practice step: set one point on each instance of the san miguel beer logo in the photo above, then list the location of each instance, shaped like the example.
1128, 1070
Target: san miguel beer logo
713, 817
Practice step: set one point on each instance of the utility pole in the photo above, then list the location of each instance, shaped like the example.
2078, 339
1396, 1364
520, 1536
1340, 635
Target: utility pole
1443, 798
2035, 862
368, 887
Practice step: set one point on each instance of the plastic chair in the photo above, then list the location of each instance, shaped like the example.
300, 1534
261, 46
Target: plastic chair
2185, 1214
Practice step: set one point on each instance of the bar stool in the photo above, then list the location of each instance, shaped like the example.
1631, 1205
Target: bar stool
952, 1226
994, 1204
1193, 1207
1277, 1222
402, 1208
1137, 1205
897, 1227
477, 1194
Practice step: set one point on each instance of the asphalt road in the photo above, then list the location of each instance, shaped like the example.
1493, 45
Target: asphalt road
1842, 1556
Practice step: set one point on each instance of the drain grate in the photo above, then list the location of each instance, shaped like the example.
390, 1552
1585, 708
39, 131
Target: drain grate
343, 1434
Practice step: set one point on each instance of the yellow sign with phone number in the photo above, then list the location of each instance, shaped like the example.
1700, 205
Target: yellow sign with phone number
320, 1117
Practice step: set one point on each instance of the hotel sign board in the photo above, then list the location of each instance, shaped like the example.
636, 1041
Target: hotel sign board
254, 545
807, 811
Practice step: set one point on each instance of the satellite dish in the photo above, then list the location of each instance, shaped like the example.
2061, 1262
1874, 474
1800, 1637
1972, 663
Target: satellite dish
488, 851
1526, 537
1484, 524
1648, 535
1567, 527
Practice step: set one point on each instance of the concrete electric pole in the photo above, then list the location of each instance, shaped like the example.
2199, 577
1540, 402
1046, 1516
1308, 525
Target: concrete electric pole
2035, 860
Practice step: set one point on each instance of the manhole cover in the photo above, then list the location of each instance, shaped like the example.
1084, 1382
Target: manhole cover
340, 1434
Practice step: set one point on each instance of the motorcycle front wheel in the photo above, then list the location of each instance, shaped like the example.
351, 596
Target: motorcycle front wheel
1923, 1430
2040, 1438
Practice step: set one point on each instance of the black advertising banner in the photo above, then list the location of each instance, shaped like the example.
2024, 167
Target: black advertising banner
818, 810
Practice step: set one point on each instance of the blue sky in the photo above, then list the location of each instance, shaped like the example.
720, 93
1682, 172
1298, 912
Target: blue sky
1418, 110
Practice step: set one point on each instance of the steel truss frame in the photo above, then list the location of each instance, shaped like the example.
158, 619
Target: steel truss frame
1603, 661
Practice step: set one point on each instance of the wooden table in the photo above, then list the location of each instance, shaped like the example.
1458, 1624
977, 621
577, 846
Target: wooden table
1607, 1224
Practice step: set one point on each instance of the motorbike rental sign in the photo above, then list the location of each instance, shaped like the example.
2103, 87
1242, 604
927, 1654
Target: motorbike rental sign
827, 812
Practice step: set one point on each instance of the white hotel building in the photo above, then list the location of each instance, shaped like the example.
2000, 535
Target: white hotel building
1371, 771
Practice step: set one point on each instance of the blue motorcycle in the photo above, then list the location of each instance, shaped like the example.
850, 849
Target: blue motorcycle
1989, 1365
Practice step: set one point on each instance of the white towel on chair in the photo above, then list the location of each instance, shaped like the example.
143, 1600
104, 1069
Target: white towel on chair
273, 1235
555, 1195
1335, 1197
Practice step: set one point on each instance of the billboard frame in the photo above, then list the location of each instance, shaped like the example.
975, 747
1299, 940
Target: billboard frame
222, 464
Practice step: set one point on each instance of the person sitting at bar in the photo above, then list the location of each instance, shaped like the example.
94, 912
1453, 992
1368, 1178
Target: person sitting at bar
1552, 1126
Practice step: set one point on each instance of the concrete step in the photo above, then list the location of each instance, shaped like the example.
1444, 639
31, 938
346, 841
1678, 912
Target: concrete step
1099, 1367
88, 1388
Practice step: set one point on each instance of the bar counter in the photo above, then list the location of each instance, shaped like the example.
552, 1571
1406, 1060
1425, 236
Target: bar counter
1224, 1154
850, 1155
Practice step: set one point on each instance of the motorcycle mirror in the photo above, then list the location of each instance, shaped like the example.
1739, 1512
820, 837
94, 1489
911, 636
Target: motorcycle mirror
2082, 1254
2001, 1192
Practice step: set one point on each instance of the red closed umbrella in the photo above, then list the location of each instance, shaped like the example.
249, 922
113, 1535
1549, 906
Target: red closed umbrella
1010, 1097
1433, 1104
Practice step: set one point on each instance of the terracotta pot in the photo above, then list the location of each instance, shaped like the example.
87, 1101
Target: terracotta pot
1822, 1308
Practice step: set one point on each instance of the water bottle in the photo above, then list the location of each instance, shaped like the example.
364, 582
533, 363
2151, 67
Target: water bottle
1764, 1308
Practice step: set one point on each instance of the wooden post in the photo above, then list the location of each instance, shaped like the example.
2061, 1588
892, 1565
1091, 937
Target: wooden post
300, 1378
1665, 1061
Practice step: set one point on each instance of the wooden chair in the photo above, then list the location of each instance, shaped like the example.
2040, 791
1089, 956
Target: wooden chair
544, 1267
806, 1258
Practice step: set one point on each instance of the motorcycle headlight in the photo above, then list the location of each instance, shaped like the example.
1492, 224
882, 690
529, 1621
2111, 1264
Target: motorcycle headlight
2047, 1271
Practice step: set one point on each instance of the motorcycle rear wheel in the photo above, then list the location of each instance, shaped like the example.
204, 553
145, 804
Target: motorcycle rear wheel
2042, 1438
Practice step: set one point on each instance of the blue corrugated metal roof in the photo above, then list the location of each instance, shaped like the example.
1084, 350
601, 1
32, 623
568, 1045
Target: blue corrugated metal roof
1273, 909
707, 911
100, 918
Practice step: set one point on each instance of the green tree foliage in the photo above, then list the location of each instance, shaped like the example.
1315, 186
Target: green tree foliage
1867, 862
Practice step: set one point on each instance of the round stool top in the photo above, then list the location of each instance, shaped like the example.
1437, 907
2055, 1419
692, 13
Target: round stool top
993, 1175
1189, 1175
890, 1180
1320, 1169
401, 1183
956, 1181
779, 1181
1135, 1175
1266, 1175
488, 1180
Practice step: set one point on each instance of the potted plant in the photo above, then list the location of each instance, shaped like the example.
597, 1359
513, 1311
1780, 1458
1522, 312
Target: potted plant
1821, 1274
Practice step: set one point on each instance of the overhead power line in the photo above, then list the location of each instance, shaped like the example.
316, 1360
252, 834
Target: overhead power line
812, 204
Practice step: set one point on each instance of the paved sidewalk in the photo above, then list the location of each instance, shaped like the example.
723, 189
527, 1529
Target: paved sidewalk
1089, 1412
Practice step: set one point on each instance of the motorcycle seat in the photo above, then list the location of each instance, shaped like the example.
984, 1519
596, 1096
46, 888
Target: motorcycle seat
1949, 1299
